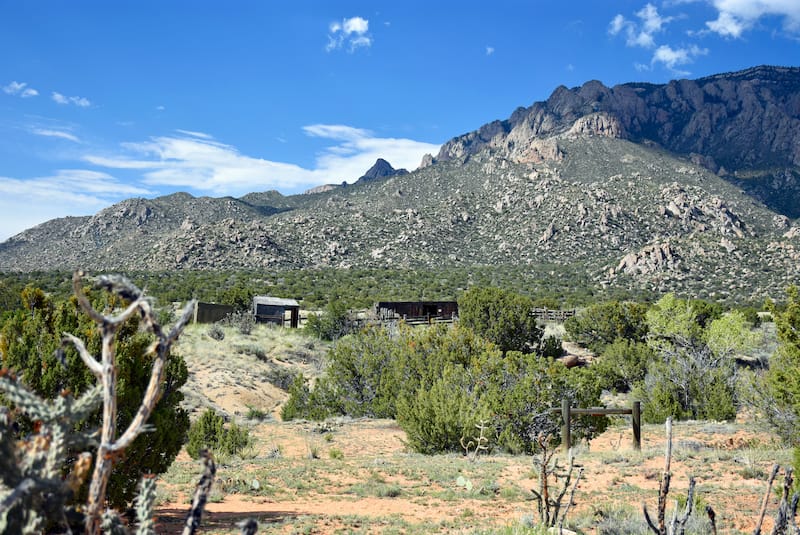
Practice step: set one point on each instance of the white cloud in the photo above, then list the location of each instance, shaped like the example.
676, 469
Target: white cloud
617, 24
737, 16
20, 89
56, 133
671, 58
489, 50
640, 34
352, 33
81, 102
209, 166
28, 202
160, 108
356, 25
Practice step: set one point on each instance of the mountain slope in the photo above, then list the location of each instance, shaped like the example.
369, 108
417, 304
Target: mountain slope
555, 187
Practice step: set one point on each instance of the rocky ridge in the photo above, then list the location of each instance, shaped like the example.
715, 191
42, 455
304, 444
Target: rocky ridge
743, 126
583, 196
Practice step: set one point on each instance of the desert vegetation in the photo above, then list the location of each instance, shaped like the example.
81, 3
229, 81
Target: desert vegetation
454, 421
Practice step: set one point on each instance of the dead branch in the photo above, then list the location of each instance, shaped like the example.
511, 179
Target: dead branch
712, 517
663, 490
765, 501
678, 525
787, 509
571, 500
201, 493
105, 370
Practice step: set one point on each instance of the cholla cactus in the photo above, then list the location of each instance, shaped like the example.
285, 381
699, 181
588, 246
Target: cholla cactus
35, 494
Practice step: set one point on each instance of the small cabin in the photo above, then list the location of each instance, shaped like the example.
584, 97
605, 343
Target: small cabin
268, 309
417, 310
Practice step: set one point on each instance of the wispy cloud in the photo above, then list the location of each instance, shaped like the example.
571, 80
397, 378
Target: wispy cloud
489, 50
81, 102
192, 133
20, 89
47, 132
203, 164
350, 34
27, 202
737, 16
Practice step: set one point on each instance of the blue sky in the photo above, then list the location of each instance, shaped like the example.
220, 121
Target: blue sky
101, 101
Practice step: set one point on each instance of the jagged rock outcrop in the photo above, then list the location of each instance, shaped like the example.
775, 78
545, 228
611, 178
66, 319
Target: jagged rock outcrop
744, 126
650, 259
381, 169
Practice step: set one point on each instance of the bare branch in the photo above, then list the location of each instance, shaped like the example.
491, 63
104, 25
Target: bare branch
571, 500
91, 363
687, 511
648, 519
712, 517
201, 493
765, 501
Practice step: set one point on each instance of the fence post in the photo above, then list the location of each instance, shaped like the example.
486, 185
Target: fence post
566, 438
636, 419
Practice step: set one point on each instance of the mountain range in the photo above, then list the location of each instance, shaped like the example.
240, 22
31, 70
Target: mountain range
692, 186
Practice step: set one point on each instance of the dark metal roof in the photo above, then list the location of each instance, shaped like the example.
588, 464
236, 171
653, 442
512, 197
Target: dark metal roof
274, 301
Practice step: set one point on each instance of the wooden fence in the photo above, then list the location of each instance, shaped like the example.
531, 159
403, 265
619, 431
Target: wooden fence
547, 314
566, 415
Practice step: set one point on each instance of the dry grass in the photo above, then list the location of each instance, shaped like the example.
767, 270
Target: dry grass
361, 478
233, 375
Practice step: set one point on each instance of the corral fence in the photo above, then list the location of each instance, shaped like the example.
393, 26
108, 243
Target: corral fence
567, 411
549, 314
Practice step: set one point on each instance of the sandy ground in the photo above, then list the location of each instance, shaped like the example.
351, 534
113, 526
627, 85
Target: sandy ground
615, 475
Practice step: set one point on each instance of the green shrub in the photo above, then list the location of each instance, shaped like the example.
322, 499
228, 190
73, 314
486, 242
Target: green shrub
306, 403
216, 332
623, 364
333, 323
519, 390
551, 347
439, 382
694, 375
435, 419
601, 324
210, 432
501, 317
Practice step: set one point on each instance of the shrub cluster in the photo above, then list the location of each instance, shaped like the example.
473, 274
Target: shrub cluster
210, 432
29, 344
242, 320
439, 382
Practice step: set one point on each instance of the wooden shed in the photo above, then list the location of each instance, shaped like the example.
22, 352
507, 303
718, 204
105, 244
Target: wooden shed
210, 312
268, 309
417, 310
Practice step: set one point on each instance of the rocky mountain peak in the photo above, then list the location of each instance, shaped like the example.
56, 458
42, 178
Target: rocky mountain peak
381, 169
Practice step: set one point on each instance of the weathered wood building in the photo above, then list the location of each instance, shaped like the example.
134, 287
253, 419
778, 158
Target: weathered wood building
268, 309
417, 310
210, 312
